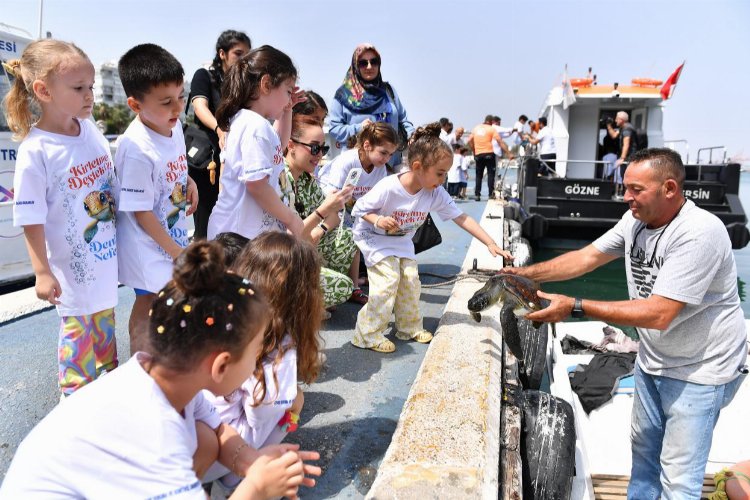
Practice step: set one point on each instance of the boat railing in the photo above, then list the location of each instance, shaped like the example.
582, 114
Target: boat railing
711, 154
672, 143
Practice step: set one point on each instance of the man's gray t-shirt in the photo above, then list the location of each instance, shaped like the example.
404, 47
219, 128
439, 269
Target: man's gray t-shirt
694, 264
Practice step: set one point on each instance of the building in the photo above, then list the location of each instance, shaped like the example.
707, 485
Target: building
107, 85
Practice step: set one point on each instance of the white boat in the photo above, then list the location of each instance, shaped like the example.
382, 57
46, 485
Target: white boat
14, 260
603, 456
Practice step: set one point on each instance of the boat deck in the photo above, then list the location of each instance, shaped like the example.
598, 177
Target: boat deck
603, 457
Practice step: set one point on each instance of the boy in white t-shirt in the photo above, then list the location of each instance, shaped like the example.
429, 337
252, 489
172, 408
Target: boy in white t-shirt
454, 174
155, 190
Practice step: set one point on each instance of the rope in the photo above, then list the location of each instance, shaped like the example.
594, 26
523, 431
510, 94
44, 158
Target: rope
456, 279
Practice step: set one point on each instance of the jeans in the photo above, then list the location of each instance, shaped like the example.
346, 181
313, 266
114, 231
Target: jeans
485, 160
671, 432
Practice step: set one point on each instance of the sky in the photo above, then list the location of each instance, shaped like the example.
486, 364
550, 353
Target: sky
461, 59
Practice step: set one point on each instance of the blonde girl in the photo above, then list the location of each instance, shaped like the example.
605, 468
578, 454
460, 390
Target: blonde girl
64, 188
387, 218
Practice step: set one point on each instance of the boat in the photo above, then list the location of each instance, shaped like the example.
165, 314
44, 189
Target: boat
14, 260
576, 202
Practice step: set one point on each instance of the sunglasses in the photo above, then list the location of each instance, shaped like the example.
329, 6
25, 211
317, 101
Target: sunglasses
315, 149
363, 63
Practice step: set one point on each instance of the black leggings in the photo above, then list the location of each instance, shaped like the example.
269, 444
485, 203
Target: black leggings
485, 160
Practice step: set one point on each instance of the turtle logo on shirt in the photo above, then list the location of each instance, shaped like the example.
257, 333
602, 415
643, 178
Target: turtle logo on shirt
179, 200
100, 206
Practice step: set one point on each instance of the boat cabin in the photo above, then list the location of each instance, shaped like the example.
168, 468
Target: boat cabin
576, 202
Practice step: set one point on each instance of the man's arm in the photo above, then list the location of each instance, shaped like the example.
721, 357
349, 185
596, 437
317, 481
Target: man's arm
625, 148
655, 312
564, 267
613, 133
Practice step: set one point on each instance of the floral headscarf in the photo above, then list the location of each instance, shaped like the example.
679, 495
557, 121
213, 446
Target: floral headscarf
358, 95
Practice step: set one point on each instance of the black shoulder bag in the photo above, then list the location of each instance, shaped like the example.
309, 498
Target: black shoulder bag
426, 236
199, 148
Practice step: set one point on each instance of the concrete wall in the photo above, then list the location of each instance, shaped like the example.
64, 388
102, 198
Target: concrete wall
446, 444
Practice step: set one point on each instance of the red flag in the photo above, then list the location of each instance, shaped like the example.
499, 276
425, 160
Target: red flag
666, 89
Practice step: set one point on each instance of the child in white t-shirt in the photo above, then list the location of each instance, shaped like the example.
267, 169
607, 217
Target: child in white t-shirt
387, 218
64, 188
454, 174
155, 189
135, 429
464, 177
375, 145
258, 88
267, 405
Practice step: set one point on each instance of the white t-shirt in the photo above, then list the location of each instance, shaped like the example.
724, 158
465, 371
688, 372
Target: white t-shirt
152, 171
117, 437
335, 176
390, 198
69, 185
255, 424
454, 174
503, 132
547, 142
253, 153
465, 164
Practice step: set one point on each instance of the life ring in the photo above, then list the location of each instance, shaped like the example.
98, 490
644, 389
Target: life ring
578, 83
646, 82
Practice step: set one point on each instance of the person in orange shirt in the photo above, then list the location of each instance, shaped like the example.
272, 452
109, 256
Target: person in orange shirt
480, 142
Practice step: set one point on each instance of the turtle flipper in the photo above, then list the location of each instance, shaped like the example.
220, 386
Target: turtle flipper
476, 316
536, 324
90, 231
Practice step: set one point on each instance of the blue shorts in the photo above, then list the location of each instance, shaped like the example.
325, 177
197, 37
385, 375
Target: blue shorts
139, 291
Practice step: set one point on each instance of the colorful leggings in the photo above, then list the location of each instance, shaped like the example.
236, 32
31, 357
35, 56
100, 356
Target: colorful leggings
337, 287
87, 347
394, 287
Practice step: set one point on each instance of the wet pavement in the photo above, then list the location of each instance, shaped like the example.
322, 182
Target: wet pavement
350, 413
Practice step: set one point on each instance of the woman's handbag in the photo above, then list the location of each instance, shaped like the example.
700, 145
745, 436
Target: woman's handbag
198, 147
427, 236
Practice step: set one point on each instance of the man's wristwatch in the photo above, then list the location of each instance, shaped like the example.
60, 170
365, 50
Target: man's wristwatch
577, 311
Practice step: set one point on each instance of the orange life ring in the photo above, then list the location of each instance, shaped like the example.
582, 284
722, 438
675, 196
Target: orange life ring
581, 82
646, 82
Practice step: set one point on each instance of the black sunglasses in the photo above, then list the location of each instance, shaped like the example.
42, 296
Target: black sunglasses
315, 149
363, 63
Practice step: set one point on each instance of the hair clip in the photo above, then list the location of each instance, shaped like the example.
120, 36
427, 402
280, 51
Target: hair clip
229, 327
245, 281
170, 301
183, 324
210, 321
242, 291
150, 312
187, 308
160, 329
161, 293
230, 307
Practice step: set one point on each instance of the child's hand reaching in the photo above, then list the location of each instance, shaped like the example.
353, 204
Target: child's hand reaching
48, 288
278, 471
496, 250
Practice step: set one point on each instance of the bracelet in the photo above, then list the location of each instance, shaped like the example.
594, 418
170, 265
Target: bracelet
236, 456
323, 227
216, 128
378, 220
320, 216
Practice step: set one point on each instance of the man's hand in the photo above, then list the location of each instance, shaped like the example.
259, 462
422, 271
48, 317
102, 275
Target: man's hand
559, 308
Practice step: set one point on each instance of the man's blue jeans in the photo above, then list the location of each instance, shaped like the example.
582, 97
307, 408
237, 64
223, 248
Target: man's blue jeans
671, 431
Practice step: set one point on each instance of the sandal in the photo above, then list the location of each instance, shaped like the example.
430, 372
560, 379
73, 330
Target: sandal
385, 346
423, 337
359, 296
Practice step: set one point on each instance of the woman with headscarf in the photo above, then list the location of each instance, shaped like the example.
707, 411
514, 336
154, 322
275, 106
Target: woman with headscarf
205, 94
364, 97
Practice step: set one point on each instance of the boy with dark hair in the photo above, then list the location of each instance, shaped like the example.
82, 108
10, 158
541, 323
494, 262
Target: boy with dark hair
155, 190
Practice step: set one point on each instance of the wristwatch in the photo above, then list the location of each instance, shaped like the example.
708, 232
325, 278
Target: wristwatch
577, 311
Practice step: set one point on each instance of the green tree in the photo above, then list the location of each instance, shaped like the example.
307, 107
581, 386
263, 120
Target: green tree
116, 118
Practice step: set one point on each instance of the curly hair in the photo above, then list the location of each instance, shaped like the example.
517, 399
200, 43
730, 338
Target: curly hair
426, 146
287, 270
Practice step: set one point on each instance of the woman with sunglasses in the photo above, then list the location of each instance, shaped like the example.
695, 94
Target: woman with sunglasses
364, 97
304, 150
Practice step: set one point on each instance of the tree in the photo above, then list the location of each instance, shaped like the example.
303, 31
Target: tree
116, 118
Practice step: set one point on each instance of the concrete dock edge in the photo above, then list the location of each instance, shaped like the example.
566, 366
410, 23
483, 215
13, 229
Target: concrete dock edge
447, 443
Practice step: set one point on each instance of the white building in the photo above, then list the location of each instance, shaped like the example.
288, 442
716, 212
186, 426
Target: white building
107, 85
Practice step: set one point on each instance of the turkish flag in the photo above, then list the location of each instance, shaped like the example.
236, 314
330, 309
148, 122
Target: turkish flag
666, 89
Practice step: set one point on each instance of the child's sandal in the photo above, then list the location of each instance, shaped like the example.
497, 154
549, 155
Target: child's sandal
385, 346
423, 337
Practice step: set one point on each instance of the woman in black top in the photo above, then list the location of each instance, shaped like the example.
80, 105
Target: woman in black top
205, 94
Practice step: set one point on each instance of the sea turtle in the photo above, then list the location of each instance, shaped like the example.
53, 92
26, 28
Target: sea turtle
179, 200
100, 206
509, 288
